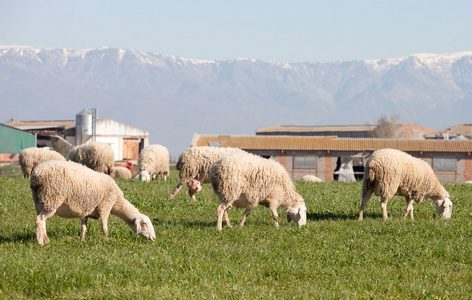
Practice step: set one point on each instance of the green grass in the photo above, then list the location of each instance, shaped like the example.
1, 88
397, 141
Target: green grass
333, 257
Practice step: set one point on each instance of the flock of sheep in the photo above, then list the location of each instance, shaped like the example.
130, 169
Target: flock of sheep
82, 185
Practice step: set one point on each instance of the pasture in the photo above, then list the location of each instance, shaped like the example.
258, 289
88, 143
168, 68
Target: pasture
333, 257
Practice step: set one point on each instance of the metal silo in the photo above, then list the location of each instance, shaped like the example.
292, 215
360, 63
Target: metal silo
83, 127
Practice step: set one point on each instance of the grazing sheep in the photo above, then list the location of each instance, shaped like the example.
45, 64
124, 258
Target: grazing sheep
153, 162
29, 158
392, 172
245, 180
195, 164
311, 178
71, 190
121, 172
97, 156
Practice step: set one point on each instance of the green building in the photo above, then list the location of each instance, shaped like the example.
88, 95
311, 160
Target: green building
13, 140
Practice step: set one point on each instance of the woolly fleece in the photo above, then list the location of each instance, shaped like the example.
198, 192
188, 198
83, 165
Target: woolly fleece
245, 180
71, 190
153, 161
121, 172
29, 158
195, 163
392, 172
97, 156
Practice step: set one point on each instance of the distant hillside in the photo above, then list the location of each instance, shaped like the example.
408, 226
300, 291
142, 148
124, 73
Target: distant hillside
173, 97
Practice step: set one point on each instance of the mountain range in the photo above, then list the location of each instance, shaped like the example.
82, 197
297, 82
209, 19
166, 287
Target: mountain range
174, 97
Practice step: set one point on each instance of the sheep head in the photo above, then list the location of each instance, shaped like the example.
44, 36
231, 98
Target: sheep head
143, 226
444, 208
194, 185
297, 214
144, 176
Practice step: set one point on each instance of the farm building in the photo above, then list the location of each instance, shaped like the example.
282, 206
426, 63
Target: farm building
405, 131
323, 156
45, 129
12, 141
459, 132
126, 141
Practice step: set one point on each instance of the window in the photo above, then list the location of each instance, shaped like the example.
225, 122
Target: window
304, 162
444, 164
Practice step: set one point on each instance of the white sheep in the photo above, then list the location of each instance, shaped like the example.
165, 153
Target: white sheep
154, 161
245, 180
311, 178
390, 172
29, 158
71, 190
194, 164
121, 172
95, 155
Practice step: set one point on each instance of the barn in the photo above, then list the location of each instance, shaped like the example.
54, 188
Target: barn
12, 141
125, 140
322, 156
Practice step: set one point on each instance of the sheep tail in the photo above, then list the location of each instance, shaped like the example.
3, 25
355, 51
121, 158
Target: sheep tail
369, 177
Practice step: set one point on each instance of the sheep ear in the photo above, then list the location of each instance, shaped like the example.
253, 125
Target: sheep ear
300, 211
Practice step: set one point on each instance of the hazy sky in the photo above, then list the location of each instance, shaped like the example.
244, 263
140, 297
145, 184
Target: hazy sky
289, 31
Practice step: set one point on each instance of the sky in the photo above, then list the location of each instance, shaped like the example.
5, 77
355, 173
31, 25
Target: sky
288, 31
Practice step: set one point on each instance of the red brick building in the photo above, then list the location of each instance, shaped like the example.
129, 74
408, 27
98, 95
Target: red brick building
321, 155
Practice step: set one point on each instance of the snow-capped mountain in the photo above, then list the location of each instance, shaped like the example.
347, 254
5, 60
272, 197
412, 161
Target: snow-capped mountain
173, 97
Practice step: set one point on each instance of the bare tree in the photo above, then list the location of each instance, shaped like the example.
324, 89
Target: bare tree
386, 127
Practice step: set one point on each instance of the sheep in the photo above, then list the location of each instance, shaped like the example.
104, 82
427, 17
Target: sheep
95, 155
121, 172
311, 178
392, 172
245, 180
154, 161
194, 164
71, 190
29, 158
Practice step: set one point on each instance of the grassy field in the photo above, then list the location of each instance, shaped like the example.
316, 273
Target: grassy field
334, 256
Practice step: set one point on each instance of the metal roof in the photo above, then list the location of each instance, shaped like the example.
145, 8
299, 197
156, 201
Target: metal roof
36, 127
335, 128
328, 128
42, 124
462, 129
315, 143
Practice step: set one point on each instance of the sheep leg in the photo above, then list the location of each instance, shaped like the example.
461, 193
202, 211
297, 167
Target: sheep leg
409, 208
176, 190
365, 199
275, 216
192, 195
83, 226
220, 212
228, 224
41, 234
104, 220
383, 205
246, 213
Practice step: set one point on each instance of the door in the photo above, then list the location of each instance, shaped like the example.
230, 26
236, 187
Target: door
130, 149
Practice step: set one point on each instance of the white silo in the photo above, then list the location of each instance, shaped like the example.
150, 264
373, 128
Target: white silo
83, 127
